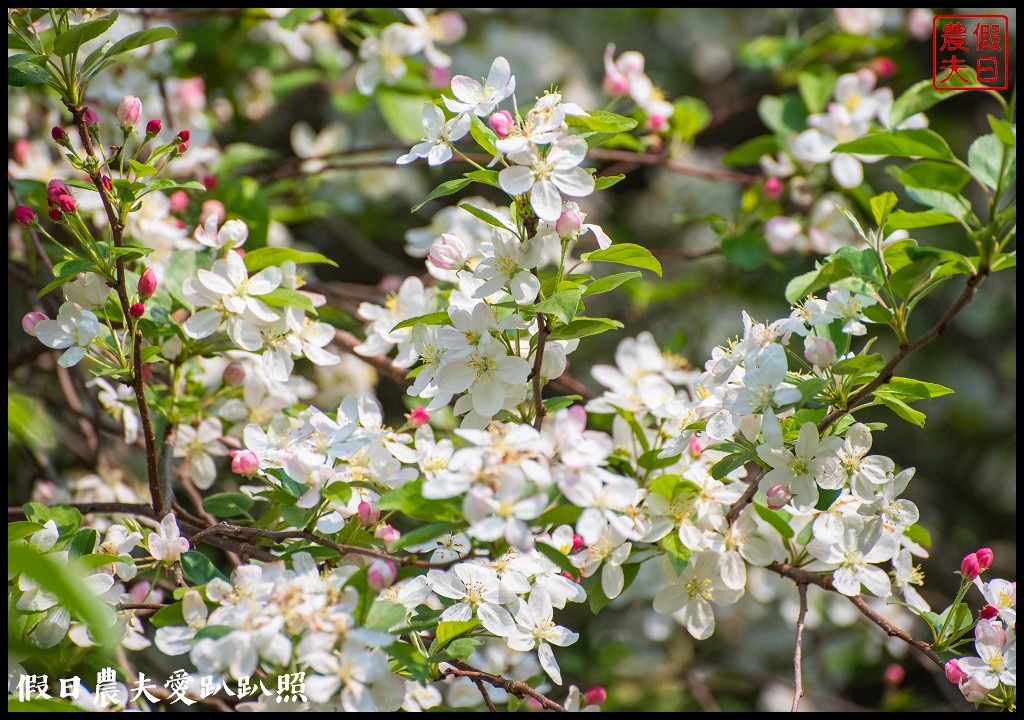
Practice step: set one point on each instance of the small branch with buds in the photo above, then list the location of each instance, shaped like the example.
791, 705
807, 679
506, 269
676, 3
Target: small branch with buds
798, 675
512, 687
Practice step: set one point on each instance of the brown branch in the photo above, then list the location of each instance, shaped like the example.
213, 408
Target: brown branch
382, 364
513, 687
538, 397
798, 675
161, 504
153, 607
179, 577
806, 577
483, 693
670, 164
228, 529
698, 687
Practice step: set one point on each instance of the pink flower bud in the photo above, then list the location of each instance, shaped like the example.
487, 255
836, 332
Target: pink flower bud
448, 252
438, 77
615, 84
970, 568
29, 322
212, 208
129, 111
577, 542
178, 201
382, 574
24, 215
90, 118
954, 673
501, 123
183, 139
820, 352
885, 66
778, 496
58, 134
972, 691
107, 185
147, 284
985, 557
137, 310
894, 674
367, 513
67, 203
568, 224
773, 188
694, 447
244, 462
210, 182
987, 613
595, 696
55, 189
452, 26
153, 127
419, 417
56, 215
657, 122
387, 533
234, 373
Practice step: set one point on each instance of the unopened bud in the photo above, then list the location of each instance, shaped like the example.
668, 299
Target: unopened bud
438, 77
970, 568
210, 182
773, 188
244, 462
56, 215
452, 26
178, 201
234, 373
419, 417
137, 310
183, 139
694, 447
568, 224
885, 66
153, 127
54, 189
985, 557
820, 352
577, 542
129, 111
972, 691
107, 185
58, 134
24, 215
657, 122
615, 84
387, 533
595, 696
894, 674
954, 673
448, 252
90, 118
368, 513
382, 574
501, 123
67, 203
988, 612
147, 284
778, 496
29, 322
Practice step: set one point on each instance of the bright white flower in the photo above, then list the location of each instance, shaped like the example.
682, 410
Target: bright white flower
535, 629
232, 234
502, 513
1002, 595
798, 469
543, 124
438, 136
238, 292
997, 656
827, 130
315, 146
73, 329
884, 509
739, 544
485, 373
763, 384
480, 99
119, 401
608, 553
120, 543
507, 265
543, 176
87, 290
384, 56
166, 544
853, 562
906, 576
477, 590
411, 300
688, 598
445, 548
863, 472
360, 673
849, 307
199, 445
860, 21
177, 639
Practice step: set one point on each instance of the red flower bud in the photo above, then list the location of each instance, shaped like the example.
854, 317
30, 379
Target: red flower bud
184, 137
106, 183
244, 462
210, 182
985, 557
67, 203
56, 215
147, 284
419, 416
501, 123
987, 613
970, 568
773, 188
954, 673
577, 542
153, 127
58, 134
137, 310
368, 514
894, 674
24, 215
91, 118
595, 696
129, 111
382, 574
55, 189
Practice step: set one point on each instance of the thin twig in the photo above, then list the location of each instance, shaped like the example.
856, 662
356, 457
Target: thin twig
798, 675
670, 164
483, 693
807, 577
698, 687
513, 687
179, 577
140, 606
382, 364
538, 397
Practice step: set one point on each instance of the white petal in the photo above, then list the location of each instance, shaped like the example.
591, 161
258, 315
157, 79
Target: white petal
203, 324
515, 180
546, 200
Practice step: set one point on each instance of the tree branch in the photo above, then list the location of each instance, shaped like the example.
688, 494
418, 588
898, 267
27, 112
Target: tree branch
538, 396
798, 675
382, 364
670, 164
513, 687
483, 693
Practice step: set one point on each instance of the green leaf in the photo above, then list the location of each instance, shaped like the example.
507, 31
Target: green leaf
170, 615
446, 188
606, 284
598, 599
920, 535
141, 169
140, 39
385, 615
859, 364
804, 536
583, 327
918, 389
61, 582
483, 135
70, 40
784, 115
881, 206
901, 408
985, 159
825, 500
151, 353
297, 16
562, 304
422, 534
803, 285
198, 569
179, 267
1006, 131
650, 460
900, 143
778, 519
918, 98
555, 404
83, 543
665, 485
435, 318
816, 89
488, 177
409, 499
601, 121
748, 250
903, 220
25, 70
731, 462
955, 205
22, 529
625, 254
749, 152
227, 504
448, 631
601, 183
484, 215
168, 184
933, 175
256, 260
908, 279
458, 649
555, 555
678, 554
401, 113
689, 118
284, 297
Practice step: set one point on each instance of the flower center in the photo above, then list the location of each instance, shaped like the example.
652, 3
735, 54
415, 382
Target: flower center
699, 588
